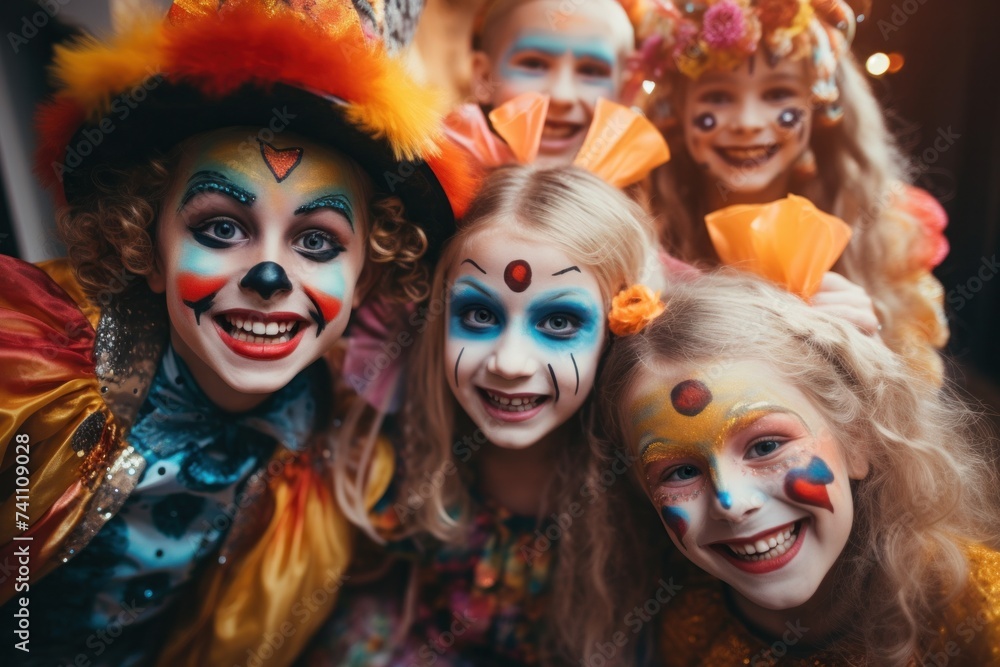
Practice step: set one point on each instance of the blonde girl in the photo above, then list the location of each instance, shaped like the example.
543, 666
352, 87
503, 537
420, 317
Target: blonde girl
776, 104
820, 483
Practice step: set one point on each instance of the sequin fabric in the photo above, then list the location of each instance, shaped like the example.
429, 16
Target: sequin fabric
698, 628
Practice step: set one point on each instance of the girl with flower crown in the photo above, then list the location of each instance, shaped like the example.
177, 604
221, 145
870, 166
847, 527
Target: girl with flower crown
163, 389
761, 98
778, 447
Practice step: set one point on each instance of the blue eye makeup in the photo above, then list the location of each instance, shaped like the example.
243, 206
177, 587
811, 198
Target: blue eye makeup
564, 317
475, 311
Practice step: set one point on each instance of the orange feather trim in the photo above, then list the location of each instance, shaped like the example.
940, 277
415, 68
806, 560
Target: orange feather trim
457, 174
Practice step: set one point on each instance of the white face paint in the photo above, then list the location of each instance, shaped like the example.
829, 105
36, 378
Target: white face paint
749, 482
526, 325
747, 128
259, 250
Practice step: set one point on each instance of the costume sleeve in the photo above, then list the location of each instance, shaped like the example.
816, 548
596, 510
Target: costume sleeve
56, 433
268, 599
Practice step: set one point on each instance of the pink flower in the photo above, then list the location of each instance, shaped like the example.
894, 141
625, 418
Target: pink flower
685, 36
723, 25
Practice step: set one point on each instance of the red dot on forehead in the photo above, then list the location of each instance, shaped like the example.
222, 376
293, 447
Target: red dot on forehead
690, 397
517, 275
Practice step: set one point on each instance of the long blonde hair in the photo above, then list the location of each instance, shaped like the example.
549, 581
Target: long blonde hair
605, 233
859, 179
931, 489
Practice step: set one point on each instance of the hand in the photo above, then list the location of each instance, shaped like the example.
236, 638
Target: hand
841, 298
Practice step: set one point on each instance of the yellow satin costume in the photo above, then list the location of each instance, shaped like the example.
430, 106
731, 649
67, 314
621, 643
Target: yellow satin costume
72, 377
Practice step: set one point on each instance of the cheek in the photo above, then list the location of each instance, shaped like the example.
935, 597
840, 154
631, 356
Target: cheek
199, 272
327, 288
809, 485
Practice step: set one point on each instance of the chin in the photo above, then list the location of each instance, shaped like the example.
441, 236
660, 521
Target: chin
789, 595
263, 381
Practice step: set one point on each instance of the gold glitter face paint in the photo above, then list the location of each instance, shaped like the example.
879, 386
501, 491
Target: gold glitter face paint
695, 421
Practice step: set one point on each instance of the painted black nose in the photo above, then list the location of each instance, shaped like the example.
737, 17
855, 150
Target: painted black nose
266, 278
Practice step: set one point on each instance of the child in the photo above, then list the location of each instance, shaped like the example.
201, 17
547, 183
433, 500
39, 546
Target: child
227, 206
573, 53
831, 489
496, 465
759, 99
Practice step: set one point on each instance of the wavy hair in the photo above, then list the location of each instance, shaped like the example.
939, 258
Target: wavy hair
601, 230
930, 491
860, 177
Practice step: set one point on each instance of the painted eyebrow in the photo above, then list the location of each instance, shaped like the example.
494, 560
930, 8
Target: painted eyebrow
213, 181
549, 297
567, 270
469, 261
338, 203
479, 287
552, 47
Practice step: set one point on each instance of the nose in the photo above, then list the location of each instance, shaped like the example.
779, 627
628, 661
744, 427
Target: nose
750, 117
737, 497
266, 278
564, 90
512, 358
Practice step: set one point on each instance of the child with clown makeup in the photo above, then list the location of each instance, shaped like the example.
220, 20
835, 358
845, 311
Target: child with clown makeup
575, 54
760, 99
838, 507
166, 389
497, 470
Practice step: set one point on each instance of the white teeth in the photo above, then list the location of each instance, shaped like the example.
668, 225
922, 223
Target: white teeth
766, 548
259, 328
247, 326
271, 329
513, 404
258, 332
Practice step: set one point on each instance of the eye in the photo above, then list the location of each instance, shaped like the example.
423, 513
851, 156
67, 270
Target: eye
682, 473
219, 233
559, 325
715, 97
596, 70
763, 448
318, 246
531, 62
479, 319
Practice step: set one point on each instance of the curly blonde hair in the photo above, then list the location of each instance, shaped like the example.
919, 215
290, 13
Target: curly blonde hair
931, 489
111, 231
860, 177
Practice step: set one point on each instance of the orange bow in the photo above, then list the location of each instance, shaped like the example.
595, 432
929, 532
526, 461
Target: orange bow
789, 241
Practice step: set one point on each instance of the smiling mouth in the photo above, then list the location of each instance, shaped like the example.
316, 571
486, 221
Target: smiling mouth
750, 156
512, 407
558, 130
765, 547
260, 336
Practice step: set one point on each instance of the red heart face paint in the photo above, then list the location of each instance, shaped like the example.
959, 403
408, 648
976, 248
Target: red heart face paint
808, 485
281, 161
257, 251
745, 475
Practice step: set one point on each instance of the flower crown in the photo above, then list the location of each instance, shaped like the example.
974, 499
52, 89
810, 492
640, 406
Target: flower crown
721, 34
633, 309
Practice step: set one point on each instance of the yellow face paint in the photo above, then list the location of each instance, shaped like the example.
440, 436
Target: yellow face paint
695, 420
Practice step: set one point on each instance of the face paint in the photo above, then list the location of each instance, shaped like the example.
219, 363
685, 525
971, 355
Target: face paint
517, 275
261, 249
808, 485
281, 161
777, 509
575, 60
749, 126
524, 334
705, 122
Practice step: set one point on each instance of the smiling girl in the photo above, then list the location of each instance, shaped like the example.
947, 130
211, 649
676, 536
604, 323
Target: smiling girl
167, 383
762, 98
787, 463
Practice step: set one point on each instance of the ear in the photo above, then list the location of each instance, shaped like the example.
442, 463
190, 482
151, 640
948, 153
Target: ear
156, 279
483, 83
